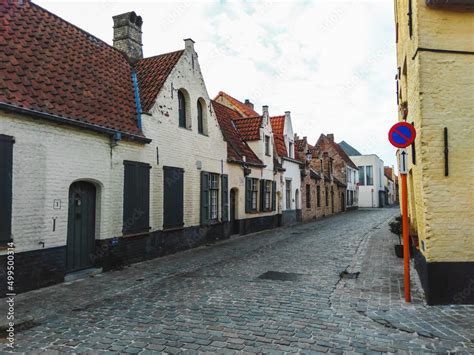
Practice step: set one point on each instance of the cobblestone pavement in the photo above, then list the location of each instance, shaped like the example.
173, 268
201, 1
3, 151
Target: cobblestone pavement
214, 299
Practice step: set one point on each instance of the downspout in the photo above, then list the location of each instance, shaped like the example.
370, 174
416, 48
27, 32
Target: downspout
136, 92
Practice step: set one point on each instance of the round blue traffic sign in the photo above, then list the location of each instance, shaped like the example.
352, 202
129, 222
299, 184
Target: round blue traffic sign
401, 134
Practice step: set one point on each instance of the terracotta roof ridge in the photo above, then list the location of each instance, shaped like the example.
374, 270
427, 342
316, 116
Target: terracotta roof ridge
228, 108
71, 24
246, 118
162, 54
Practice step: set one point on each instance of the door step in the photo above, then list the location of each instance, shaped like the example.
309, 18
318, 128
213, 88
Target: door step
82, 274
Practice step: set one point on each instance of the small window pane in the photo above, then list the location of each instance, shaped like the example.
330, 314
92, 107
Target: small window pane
200, 118
369, 175
361, 175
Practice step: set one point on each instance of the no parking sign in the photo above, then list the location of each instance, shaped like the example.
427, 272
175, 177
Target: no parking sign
401, 135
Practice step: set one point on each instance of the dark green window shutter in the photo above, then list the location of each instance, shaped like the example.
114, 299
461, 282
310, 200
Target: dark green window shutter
173, 197
262, 195
204, 197
225, 197
6, 177
136, 197
248, 195
274, 185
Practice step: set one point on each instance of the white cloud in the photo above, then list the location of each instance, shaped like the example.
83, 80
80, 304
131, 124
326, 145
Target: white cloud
332, 63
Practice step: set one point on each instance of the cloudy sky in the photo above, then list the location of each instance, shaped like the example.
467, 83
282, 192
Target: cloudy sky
331, 63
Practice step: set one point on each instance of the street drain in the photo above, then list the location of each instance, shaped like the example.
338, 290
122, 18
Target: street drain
349, 275
279, 276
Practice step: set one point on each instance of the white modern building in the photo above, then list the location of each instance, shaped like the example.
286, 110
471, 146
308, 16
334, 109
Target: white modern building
371, 180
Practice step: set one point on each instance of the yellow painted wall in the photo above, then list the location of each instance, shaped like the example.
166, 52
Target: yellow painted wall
439, 89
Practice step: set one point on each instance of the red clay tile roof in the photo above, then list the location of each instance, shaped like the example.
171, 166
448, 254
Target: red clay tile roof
152, 73
339, 151
280, 145
278, 125
236, 146
388, 172
50, 66
249, 127
242, 108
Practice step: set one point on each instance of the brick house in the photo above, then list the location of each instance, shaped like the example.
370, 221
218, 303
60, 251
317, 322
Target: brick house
94, 172
342, 170
254, 172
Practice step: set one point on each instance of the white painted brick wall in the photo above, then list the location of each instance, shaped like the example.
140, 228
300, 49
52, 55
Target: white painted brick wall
48, 157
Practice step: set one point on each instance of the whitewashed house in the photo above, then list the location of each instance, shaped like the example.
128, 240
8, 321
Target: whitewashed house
291, 178
254, 172
106, 158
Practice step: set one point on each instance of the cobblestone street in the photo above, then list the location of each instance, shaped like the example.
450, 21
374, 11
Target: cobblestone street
237, 296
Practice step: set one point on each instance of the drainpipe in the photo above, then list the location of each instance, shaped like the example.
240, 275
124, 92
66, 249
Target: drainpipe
136, 92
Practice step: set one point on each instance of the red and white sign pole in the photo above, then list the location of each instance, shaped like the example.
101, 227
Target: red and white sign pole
401, 135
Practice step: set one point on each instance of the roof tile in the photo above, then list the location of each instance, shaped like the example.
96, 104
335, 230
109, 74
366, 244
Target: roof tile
51, 66
236, 146
152, 73
239, 106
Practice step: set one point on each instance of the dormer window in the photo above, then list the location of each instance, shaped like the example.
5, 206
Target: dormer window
182, 109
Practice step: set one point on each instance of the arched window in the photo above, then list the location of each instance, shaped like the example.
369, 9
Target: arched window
182, 109
200, 117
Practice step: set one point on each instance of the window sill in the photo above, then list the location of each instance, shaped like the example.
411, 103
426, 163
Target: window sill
203, 134
173, 228
252, 212
186, 128
136, 234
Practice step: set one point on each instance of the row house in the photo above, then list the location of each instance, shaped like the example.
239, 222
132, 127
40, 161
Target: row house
273, 141
344, 169
107, 157
390, 185
323, 179
291, 179
253, 182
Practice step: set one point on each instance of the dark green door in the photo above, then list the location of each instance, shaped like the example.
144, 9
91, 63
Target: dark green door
81, 226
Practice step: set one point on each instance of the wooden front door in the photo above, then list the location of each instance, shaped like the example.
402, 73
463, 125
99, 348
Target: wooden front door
233, 211
81, 226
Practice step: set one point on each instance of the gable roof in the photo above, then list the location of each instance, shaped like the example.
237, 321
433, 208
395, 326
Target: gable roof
239, 106
350, 150
52, 69
249, 127
236, 146
338, 149
152, 73
388, 172
278, 126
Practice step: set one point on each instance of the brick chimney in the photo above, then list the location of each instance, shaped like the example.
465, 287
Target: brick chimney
128, 35
330, 136
248, 103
